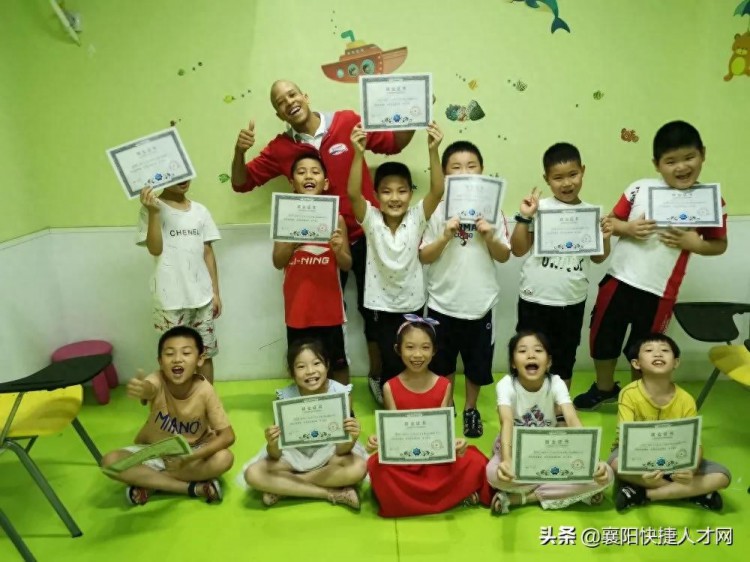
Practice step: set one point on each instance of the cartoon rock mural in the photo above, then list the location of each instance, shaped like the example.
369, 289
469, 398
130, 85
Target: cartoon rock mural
361, 57
558, 22
739, 62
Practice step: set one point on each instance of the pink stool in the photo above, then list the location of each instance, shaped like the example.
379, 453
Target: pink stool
103, 381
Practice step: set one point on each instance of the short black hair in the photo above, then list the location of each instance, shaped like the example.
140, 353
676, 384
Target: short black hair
513, 343
460, 146
393, 169
306, 344
560, 153
309, 156
653, 337
674, 135
181, 332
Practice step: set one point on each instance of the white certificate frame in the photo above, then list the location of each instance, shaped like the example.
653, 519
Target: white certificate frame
705, 197
626, 464
335, 405
157, 160
318, 216
572, 247
407, 115
550, 465
487, 206
441, 449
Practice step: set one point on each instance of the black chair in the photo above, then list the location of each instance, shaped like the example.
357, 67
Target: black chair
15, 538
711, 322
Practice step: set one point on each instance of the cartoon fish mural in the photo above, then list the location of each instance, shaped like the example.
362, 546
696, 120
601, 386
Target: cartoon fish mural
224, 178
558, 22
743, 9
520, 85
598, 95
473, 84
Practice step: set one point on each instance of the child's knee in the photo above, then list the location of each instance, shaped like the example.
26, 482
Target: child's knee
224, 460
113, 456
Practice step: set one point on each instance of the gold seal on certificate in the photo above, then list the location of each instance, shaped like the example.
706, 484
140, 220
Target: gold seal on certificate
158, 160
169, 447
415, 436
312, 420
697, 206
303, 218
555, 454
391, 102
667, 445
471, 196
568, 232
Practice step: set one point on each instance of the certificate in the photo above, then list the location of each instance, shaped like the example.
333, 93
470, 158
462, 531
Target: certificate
158, 160
471, 196
415, 436
392, 102
667, 445
169, 447
555, 454
312, 420
303, 218
697, 206
568, 232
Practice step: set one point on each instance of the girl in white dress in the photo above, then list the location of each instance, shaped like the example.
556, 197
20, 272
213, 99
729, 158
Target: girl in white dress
328, 471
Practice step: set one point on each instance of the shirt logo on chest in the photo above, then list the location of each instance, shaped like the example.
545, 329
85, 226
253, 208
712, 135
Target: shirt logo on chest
338, 148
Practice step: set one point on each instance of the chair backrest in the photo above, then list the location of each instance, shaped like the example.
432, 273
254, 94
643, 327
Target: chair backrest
710, 321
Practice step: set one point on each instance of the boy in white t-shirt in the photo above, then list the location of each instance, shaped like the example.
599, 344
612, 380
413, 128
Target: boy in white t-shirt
554, 289
178, 232
394, 282
462, 287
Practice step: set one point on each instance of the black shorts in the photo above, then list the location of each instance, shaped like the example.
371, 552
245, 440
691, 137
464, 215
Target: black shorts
473, 339
332, 338
562, 326
618, 305
385, 326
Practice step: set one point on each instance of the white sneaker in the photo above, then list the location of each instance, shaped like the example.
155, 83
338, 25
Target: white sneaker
375, 390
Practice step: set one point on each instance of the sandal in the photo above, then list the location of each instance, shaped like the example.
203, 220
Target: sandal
345, 496
135, 495
596, 499
210, 490
270, 499
500, 504
472, 500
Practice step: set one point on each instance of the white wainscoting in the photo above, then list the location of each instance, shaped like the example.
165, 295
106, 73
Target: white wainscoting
64, 285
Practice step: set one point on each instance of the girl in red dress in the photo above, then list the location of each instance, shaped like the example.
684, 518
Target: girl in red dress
405, 490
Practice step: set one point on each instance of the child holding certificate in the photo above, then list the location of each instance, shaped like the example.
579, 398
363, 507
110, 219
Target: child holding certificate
419, 489
182, 402
648, 264
655, 397
462, 287
529, 396
179, 232
554, 289
327, 472
394, 282
313, 300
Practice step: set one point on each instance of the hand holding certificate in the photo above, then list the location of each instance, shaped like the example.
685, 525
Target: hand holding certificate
157, 161
303, 218
666, 446
697, 206
312, 420
395, 101
472, 196
568, 232
172, 446
559, 454
415, 436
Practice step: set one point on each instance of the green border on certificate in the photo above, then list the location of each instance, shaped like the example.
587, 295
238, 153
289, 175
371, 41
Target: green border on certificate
326, 425
555, 454
666, 445
424, 436
174, 446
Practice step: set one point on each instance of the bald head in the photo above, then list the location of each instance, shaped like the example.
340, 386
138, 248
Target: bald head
281, 87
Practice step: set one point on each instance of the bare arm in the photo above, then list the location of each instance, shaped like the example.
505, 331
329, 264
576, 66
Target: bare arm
499, 251
570, 415
402, 138
506, 433
154, 240
213, 271
437, 179
690, 240
607, 229
223, 439
354, 186
522, 239
282, 253
388, 401
447, 396
340, 246
353, 429
245, 140
431, 252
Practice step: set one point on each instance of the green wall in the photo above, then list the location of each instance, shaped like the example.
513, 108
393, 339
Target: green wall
653, 62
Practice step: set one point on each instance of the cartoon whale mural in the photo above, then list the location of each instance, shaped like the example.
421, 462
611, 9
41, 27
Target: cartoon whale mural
558, 22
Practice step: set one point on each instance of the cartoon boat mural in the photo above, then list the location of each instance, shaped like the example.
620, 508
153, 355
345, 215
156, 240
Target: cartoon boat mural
361, 57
